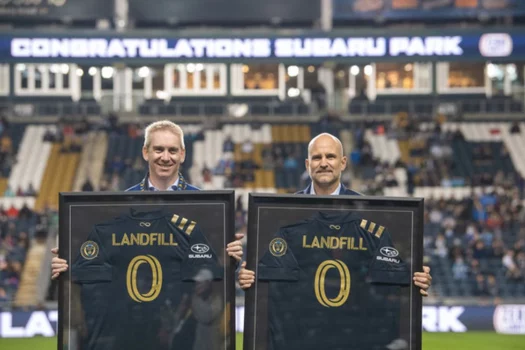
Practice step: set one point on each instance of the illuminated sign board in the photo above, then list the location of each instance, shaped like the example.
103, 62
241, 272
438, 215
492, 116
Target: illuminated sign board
497, 45
505, 319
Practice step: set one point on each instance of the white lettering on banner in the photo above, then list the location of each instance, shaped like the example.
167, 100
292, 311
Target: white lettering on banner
325, 47
78, 47
6, 327
116, 49
262, 48
509, 319
236, 48
40, 48
199, 46
443, 319
97, 47
63, 50
429, 46
20, 47
147, 48
39, 323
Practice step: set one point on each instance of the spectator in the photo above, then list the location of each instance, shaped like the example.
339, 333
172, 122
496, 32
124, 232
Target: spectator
290, 163
487, 237
498, 248
3, 295
239, 220
31, 192
474, 267
520, 261
207, 179
25, 213
480, 288
228, 145
459, 269
138, 165
12, 212
87, 186
492, 286
117, 165
49, 135
239, 205
9, 192
479, 250
515, 128
512, 271
247, 146
441, 246
225, 165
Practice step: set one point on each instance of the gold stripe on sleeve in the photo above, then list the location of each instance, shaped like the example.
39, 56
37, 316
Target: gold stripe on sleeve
190, 228
380, 231
182, 223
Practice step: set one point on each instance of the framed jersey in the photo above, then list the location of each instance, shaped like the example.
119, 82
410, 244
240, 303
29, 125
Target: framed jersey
147, 270
333, 273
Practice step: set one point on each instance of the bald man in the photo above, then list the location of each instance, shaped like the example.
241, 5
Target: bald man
325, 164
326, 161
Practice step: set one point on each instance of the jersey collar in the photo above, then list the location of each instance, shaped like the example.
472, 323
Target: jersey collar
179, 184
337, 217
335, 193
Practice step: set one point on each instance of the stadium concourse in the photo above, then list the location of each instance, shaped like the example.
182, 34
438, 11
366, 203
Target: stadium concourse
471, 175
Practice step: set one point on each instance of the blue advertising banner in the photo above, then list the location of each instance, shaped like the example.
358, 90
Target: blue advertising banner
426, 9
486, 46
505, 319
27, 324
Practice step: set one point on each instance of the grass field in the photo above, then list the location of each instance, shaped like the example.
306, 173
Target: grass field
431, 341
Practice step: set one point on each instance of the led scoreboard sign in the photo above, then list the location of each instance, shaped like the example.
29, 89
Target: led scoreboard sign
232, 48
499, 45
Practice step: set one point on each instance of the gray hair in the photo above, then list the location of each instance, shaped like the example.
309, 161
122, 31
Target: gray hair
163, 125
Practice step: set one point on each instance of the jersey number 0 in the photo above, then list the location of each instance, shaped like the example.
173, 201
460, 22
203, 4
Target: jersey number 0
131, 278
319, 283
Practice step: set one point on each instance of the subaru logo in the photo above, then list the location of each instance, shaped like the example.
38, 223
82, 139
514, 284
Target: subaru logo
199, 248
145, 224
496, 45
389, 251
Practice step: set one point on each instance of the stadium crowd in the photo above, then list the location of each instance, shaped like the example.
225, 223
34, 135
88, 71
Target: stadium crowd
17, 230
476, 243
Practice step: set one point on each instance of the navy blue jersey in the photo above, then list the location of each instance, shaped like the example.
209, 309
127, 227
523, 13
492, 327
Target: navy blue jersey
334, 283
137, 274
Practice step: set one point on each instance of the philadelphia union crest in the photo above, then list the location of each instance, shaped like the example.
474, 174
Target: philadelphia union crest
278, 247
89, 250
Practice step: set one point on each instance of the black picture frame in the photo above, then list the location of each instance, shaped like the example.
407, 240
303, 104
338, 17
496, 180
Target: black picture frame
269, 212
214, 212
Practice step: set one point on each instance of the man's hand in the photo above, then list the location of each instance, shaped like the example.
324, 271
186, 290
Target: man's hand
423, 280
57, 265
234, 249
246, 277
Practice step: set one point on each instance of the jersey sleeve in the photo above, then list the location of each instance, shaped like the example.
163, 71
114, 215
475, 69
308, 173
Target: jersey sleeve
201, 261
92, 263
278, 262
387, 266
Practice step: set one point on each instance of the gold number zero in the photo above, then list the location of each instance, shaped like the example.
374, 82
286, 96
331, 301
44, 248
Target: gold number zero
131, 278
319, 283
